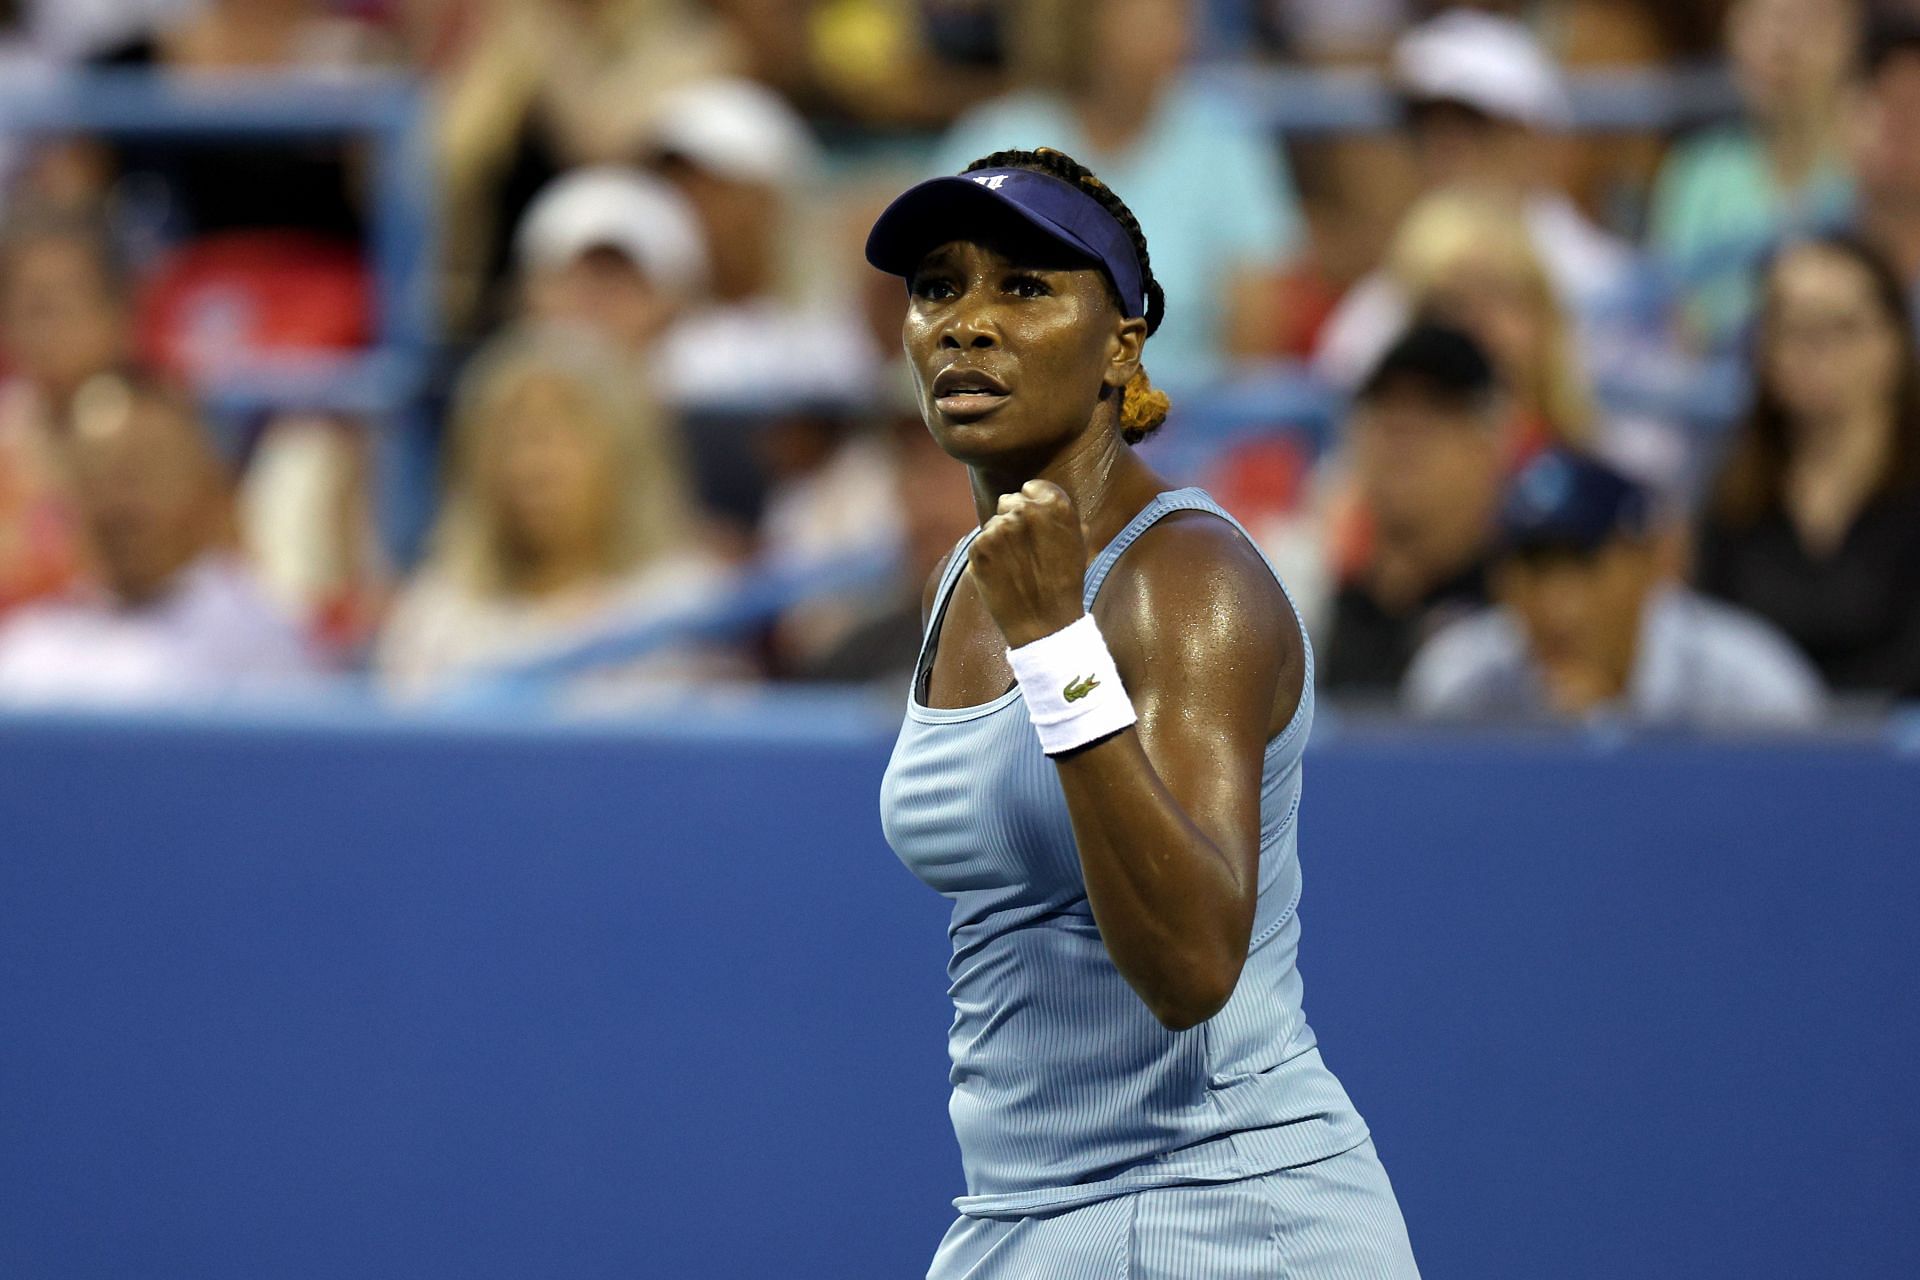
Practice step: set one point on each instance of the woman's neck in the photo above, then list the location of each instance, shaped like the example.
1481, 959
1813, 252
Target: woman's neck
1101, 473
1835, 470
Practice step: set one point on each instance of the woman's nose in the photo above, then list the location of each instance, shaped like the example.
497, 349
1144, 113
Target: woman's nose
972, 330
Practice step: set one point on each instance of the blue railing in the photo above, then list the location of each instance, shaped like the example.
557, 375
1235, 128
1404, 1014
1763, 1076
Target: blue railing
1303, 103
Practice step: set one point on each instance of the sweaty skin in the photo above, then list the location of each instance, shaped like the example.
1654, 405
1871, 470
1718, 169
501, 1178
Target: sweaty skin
1166, 814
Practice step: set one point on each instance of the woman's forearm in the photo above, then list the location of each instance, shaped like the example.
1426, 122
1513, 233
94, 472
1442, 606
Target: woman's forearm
1170, 904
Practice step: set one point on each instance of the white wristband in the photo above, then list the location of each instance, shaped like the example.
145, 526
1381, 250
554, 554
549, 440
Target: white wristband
1072, 688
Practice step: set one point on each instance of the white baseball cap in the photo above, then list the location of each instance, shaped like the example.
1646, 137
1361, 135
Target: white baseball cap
737, 129
616, 207
1489, 63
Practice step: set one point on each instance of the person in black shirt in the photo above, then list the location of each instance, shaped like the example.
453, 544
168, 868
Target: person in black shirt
1814, 522
1425, 438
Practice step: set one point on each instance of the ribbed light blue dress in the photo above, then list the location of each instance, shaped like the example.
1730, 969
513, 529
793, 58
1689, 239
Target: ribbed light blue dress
1067, 1092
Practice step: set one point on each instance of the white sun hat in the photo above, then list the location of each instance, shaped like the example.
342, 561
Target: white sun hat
737, 129
1489, 63
620, 208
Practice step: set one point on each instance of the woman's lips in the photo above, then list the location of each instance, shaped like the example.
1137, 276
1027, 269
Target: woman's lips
966, 394
967, 406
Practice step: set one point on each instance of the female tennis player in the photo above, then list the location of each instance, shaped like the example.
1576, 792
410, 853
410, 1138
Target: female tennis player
1135, 1090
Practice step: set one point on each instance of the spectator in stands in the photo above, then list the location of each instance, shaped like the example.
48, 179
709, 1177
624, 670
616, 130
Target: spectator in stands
1426, 455
178, 613
750, 405
531, 89
936, 509
1724, 198
566, 514
1814, 522
1887, 149
833, 499
1484, 103
619, 254
1464, 258
1105, 83
1589, 623
63, 321
614, 252
742, 158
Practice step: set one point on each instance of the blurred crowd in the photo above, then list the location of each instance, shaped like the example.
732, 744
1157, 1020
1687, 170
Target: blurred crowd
1621, 422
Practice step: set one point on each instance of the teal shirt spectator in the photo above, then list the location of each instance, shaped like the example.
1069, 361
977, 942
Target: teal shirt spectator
1718, 208
1212, 192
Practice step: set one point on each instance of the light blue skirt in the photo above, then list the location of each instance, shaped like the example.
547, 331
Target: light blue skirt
1334, 1219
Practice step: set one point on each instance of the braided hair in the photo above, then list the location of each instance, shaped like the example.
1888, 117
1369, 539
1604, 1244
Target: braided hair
1143, 407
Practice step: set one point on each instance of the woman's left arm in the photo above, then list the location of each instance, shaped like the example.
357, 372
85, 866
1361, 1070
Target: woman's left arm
1166, 813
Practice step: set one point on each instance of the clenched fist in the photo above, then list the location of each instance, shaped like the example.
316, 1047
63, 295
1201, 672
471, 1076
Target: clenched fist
1030, 563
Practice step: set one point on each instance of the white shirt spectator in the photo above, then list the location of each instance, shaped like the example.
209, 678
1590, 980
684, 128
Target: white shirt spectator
740, 357
215, 633
1701, 664
442, 637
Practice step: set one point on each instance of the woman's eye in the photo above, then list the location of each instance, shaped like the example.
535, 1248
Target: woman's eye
933, 288
1028, 287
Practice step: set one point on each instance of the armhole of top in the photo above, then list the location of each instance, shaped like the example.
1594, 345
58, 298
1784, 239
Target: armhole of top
942, 594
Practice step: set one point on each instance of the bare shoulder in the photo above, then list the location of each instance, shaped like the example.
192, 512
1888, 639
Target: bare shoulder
1193, 573
1192, 602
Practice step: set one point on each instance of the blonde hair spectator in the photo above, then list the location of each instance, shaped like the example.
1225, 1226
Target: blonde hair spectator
1466, 258
639, 476
566, 510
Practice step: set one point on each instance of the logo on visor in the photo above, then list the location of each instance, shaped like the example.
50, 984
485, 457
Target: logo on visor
991, 181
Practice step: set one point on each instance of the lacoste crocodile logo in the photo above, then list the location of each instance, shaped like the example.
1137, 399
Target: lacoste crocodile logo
1078, 689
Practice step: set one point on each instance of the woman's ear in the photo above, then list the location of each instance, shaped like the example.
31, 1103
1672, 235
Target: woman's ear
1123, 353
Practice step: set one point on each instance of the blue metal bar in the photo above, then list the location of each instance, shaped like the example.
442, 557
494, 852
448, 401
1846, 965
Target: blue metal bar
757, 599
406, 256
133, 102
1305, 102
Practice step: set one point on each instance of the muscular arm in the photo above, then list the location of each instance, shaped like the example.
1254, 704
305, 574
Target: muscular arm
1167, 814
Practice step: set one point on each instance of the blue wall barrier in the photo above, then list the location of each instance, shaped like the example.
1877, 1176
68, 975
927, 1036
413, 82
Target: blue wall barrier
463, 999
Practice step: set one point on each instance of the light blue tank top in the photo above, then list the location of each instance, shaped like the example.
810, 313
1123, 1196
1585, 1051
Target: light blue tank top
1066, 1089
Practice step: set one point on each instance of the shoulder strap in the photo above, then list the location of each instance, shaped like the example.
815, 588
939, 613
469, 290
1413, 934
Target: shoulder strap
950, 576
1189, 499
1163, 504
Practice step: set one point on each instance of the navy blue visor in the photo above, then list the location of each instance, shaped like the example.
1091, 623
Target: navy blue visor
941, 210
